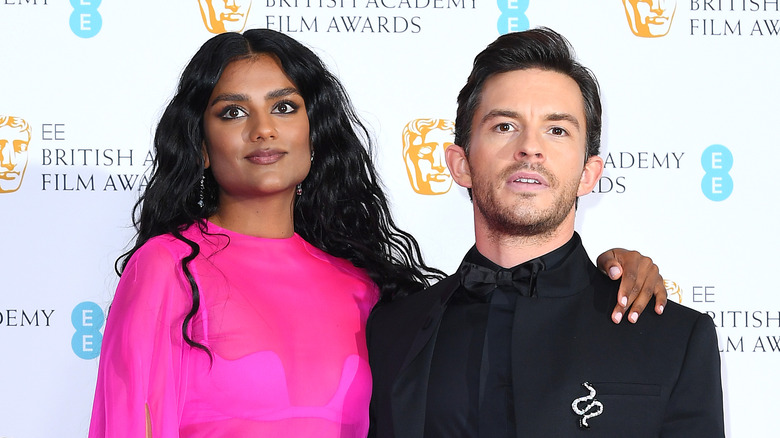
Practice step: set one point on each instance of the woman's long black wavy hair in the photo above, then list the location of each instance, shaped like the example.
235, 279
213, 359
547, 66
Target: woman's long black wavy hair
343, 210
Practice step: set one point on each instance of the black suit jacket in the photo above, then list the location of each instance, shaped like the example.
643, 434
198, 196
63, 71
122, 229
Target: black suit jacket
659, 377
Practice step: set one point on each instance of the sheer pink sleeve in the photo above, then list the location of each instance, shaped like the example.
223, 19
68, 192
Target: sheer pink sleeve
142, 361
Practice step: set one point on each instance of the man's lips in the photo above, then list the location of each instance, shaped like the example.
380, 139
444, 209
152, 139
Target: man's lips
527, 180
267, 156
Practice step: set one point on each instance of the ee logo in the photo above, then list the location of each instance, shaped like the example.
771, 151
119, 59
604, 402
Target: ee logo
512, 17
85, 21
87, 318
717, 161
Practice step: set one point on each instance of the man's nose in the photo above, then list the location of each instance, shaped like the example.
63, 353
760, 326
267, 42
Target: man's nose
529, 148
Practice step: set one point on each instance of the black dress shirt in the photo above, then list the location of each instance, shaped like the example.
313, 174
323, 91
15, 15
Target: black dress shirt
470, 381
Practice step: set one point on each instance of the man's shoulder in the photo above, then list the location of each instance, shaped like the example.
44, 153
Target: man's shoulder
677, 319
429, 294
672, 330
432, 294
678, 314
412, 308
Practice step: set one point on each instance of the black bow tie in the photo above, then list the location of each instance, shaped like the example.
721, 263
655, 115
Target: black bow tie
479, 281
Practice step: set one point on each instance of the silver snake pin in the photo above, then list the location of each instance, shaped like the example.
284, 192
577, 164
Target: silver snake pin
584, 412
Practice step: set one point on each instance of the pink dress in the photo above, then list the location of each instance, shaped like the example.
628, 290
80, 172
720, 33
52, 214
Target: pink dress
285, 323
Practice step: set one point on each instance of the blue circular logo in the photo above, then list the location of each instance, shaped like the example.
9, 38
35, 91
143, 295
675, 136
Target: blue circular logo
87, 318
717, 161
512, 18
85, 20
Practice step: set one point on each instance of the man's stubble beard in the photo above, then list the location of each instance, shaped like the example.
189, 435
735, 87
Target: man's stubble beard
517, 220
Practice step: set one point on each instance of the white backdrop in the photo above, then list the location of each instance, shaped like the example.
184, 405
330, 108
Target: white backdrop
91, 79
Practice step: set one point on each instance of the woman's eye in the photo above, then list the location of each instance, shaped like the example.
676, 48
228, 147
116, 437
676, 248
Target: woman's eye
285, 108
232, 112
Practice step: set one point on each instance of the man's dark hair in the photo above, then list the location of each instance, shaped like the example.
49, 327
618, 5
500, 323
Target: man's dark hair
540, 48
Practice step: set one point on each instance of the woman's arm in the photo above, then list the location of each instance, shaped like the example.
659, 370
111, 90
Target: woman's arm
141, 358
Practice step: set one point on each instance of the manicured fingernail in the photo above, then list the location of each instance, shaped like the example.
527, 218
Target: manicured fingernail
623, 301
618, 316
633, 316
614, 272
660, 309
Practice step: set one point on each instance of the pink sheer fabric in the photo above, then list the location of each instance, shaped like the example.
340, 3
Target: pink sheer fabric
285, 323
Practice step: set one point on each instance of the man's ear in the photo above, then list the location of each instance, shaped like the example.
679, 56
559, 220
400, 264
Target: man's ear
459, 165
591, 174
205, 152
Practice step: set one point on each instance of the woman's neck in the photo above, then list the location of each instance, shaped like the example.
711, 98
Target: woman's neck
269, 217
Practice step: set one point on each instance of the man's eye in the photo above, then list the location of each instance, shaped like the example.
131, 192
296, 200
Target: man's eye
557, 131
504, 127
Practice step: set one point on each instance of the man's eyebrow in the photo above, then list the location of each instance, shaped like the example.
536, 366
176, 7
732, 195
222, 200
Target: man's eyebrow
552, 117
241, 97
500, 113
565, 117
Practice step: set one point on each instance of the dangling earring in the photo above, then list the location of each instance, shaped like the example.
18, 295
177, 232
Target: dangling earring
298, 189
202, 189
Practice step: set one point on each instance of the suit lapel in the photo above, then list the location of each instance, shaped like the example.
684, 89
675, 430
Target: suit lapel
410, 390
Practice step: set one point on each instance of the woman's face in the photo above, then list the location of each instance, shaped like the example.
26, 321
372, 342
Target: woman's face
257, 131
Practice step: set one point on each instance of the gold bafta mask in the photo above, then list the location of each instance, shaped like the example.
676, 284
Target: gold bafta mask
424, 142
650, 18
14, 141
673, 291
224, 15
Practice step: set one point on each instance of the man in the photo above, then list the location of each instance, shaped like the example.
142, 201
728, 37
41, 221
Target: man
424, 143
519, 342
14, 141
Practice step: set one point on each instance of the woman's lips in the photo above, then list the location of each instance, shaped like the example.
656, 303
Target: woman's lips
268, 156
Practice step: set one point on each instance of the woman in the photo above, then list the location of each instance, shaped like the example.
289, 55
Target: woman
264, 239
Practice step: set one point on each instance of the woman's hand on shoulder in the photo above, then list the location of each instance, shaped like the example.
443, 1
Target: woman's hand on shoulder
640, 281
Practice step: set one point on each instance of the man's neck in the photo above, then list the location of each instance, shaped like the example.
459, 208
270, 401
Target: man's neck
511, 250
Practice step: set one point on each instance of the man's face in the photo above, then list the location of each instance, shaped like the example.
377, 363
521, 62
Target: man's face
650, 18
226, 15
13, 157
527, 153
426, 157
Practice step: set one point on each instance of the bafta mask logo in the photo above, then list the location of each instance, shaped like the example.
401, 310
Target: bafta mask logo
224, 15
15, 136
650, 18
673, 291
424, 143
